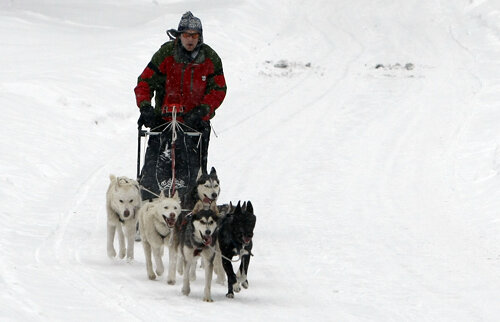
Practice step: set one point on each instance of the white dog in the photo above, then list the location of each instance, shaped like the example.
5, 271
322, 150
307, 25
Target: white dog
156, 224
123, 199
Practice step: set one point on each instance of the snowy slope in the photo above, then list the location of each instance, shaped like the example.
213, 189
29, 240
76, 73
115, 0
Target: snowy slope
376, 189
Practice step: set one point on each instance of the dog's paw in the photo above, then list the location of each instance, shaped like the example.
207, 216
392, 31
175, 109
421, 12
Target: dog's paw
122, 253
159, 271
208, 299
111, 253
245, 284
236, 287
230, 295
240, 278
186, 291
130, 260
152, 276
171, 281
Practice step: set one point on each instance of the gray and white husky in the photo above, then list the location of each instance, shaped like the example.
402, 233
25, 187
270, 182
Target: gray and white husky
156, 224
196, 237
122, 201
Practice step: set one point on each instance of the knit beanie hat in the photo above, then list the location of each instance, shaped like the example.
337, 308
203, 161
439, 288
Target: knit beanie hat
188, 22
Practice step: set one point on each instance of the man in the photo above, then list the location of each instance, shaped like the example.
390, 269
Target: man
184, 75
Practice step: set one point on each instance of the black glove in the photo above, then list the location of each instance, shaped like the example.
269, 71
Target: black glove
148, 117
194, 117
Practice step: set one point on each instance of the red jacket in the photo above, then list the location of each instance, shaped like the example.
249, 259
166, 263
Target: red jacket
174, 79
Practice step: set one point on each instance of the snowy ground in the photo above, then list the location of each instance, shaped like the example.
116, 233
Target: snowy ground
376, 189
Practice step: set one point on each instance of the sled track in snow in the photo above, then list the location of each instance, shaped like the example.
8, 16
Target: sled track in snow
331, 82
65, 251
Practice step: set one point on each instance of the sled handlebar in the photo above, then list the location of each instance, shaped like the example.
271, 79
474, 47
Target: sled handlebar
146, 132
143, 133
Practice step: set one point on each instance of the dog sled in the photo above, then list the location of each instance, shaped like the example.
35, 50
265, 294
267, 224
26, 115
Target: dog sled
177, 155
216, 233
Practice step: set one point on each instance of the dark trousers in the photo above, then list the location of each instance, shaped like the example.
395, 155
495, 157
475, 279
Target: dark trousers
191, 153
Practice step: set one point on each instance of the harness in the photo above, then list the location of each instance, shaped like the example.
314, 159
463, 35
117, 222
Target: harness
162, 236
241, 253
201, 246
198, 250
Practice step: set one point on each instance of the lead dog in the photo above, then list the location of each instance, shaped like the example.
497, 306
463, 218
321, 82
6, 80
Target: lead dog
122, 201
235, 235
156, 224
196, 236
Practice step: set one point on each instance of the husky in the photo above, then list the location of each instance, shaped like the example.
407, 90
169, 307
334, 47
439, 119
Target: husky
234, 236
207, 189
122, 201
156, 224
195, 237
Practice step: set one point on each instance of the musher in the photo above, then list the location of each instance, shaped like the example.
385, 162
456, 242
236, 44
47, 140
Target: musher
185, 77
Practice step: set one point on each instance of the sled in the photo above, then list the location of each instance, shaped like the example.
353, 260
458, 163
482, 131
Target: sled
179, 157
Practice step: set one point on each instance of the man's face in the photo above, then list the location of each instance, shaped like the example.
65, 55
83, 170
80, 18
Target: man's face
189, 39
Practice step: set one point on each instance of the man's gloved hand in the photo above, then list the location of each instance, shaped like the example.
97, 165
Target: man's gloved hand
147, 117
194, 117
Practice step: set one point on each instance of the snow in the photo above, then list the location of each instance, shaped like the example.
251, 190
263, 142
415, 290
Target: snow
376, 190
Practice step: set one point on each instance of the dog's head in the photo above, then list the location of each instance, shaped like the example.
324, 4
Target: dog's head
243, 223
124, 196
205, 222
167, 209
208, 188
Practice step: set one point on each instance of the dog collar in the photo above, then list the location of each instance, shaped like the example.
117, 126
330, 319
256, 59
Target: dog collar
119, 218
201, 246
197, 251
162, 237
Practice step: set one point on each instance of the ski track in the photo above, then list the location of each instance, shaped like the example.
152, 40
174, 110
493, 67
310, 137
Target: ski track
60, 251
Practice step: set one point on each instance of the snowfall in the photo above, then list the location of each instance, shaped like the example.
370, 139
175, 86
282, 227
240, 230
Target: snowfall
365, 133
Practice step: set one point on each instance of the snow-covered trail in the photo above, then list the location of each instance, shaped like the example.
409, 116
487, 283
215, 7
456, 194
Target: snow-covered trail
398, 138
389, 142
383, 154
375, 189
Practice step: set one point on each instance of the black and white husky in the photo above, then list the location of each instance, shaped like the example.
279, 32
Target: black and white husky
207, 189
235, 235
196, 237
